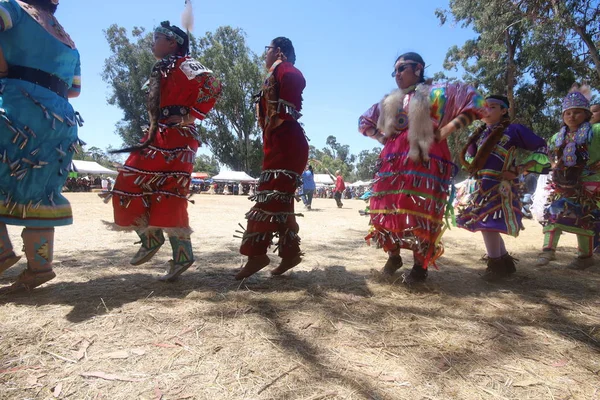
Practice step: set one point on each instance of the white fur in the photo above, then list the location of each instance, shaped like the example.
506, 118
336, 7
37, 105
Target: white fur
187, 17
388, 110
420, 129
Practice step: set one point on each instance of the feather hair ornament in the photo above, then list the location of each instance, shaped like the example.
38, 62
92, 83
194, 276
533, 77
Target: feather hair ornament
187, 17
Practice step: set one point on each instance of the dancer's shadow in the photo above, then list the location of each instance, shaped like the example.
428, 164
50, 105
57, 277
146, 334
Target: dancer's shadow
98, 291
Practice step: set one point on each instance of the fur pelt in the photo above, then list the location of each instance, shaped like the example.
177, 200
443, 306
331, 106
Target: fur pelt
420, 127
389, 109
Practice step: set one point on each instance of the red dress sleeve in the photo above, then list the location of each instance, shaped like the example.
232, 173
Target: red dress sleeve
209, 89
291, 84
191, 85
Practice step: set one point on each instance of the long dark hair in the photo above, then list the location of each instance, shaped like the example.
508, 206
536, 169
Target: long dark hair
287, 48
414, 57
45, 5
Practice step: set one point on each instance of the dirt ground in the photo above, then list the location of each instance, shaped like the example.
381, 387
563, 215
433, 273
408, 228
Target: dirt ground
330, 329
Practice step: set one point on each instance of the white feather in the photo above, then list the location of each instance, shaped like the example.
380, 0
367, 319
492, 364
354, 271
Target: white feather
584, 89
187, 17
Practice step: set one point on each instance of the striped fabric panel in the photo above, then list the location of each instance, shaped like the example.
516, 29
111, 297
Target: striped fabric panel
76, 85
5, 19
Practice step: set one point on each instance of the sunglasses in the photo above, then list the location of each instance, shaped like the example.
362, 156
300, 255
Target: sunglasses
401, 69
269, 47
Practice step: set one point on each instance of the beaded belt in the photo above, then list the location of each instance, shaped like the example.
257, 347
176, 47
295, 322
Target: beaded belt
169, 111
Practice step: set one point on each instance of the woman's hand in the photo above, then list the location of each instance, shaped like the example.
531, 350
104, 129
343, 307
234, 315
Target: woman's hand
381, 138
443, 133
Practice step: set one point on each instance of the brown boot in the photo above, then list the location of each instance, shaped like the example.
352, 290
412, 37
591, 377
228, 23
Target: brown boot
253, 265
287, 264
417, 274
496, 270
581, 263
393, 264
509, 263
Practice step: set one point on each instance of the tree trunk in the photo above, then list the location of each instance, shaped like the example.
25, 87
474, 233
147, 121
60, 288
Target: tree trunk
591, 47
587, 39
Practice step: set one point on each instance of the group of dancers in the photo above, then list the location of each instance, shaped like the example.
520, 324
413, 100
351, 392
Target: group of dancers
410, 203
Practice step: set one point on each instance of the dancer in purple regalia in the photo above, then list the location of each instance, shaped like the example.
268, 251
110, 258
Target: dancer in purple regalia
495, 206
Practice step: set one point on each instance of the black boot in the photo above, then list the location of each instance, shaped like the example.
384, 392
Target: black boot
496, 269
417, 274
393, 264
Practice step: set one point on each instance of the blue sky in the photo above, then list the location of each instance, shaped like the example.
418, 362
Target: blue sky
346, 50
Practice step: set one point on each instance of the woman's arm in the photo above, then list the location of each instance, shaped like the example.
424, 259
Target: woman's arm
462, 120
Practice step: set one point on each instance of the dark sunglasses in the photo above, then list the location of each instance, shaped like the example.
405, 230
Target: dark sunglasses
401, 69
269, 47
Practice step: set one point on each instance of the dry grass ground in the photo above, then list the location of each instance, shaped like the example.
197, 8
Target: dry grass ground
328, 330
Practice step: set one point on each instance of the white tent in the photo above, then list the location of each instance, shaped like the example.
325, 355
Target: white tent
233, 176
91, 167
323, 179
359, 183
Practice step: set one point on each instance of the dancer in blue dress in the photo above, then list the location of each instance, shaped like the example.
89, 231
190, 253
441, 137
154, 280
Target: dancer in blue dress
39, 72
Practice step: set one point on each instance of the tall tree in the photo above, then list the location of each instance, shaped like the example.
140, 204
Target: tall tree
523, 51
492, 59
231, 130
574, 21
366, 166
206, 163
126, 71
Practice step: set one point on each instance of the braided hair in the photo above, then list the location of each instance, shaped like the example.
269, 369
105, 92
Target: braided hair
287, 48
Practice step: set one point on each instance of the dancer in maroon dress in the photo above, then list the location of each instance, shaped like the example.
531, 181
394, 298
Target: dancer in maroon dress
286, 153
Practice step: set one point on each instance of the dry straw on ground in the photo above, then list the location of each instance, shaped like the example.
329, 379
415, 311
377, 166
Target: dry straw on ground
328, 330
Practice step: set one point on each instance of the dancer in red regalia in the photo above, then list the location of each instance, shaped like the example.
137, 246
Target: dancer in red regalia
285, 156
151, 192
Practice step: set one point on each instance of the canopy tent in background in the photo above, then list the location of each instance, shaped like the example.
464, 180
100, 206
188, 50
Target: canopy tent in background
233, 176
359, 184
199, 175
323, 179
90, 167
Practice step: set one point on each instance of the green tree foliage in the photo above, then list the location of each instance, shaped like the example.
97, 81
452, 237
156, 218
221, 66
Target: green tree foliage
231, 131
208, 164
126, 71
367, 163
336, 156
529, 50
